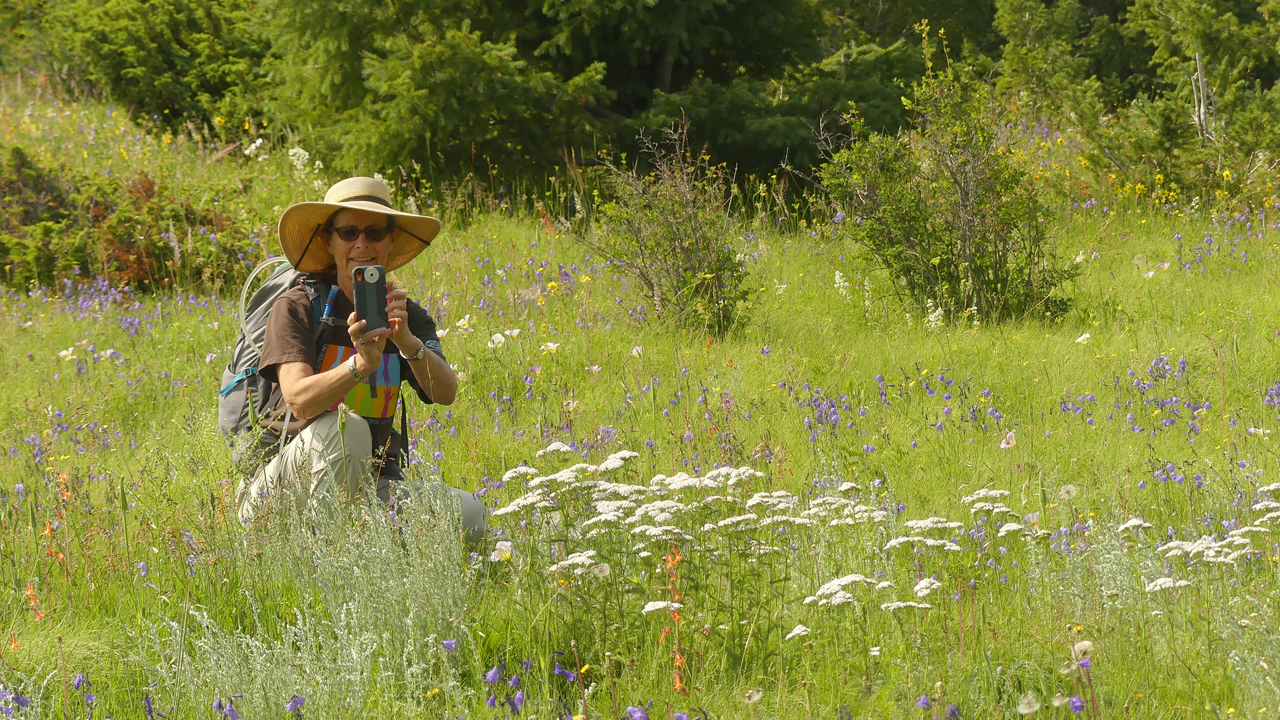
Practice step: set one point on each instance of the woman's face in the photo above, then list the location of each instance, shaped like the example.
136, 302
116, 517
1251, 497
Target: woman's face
361, 251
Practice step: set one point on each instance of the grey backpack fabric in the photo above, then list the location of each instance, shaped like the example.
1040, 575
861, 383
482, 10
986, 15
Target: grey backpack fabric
246, 396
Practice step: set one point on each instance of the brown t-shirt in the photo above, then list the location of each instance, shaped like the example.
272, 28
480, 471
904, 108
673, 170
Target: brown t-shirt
290, 329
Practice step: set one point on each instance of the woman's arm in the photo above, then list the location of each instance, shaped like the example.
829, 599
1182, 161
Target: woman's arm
435, 377
433, 374
308, 394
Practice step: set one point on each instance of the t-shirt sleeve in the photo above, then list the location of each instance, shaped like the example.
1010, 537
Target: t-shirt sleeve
423, 327
289, 334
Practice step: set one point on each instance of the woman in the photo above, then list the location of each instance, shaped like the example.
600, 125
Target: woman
343, 387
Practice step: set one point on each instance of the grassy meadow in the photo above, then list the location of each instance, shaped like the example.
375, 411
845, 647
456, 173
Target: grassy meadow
840, 510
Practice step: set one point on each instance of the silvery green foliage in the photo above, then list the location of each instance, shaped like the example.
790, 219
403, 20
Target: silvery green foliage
378, 592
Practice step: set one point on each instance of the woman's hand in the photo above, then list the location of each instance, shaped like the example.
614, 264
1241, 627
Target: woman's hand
369, 345
398, 318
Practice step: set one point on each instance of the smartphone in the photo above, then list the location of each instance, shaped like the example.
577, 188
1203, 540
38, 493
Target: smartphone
369, 284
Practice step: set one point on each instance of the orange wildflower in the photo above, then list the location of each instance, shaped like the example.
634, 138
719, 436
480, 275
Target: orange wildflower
13, 641
665, 631
673, 558
48, 529
679, 683
30, 594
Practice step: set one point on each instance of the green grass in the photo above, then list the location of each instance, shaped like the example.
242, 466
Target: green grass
144, 425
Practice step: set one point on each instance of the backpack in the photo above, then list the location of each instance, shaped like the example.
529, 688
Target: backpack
246, 396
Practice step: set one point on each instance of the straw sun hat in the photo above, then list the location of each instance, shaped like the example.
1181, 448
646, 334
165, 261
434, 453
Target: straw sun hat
306, 247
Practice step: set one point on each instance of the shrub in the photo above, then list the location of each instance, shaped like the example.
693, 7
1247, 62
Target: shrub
55, 223
170, 60
671, 231
945, 210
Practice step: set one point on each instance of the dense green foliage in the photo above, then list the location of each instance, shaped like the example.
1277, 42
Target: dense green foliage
517, 89
946, 210
132, 230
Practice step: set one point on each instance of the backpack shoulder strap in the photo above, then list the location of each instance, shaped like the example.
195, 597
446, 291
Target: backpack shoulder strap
322, 294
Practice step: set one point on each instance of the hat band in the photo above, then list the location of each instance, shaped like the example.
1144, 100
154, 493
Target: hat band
366, 198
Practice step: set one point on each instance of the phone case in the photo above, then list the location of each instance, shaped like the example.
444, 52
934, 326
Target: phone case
369, 284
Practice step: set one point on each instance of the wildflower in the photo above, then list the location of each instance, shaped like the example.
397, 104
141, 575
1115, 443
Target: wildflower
550, 348
1066, 493
512, 333
554, 447
1028, 703
636, 351
494, 676
753, 696
295, 705
1075, 704
798, 631
635, 713
926, 586
923, 703
660, 605
142, 569
1083, 338
517, 702
1165, 583
1085, 663
502, 552
79, 681
894, 606
593, 369
1082, 649
450, 644
496, 341
568, 675
1009, 441
953, 712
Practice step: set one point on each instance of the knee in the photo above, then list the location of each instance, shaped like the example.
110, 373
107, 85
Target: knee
343, 434
358, 437
475, 517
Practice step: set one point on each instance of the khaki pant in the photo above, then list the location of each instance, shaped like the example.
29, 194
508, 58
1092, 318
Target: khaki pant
330, 459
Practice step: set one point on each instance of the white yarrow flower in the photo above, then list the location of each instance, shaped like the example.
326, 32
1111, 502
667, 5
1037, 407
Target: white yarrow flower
1165, 583
657, 605
926, 586
797, 631
554, 447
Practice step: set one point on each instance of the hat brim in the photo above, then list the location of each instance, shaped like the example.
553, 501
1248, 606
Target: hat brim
308, 251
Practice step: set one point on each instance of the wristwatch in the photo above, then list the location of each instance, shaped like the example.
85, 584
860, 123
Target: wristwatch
422, 352
355, 372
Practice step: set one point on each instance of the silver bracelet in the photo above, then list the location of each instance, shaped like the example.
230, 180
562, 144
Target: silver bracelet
355, 373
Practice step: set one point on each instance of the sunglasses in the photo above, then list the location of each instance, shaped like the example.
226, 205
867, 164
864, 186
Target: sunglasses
351, 233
